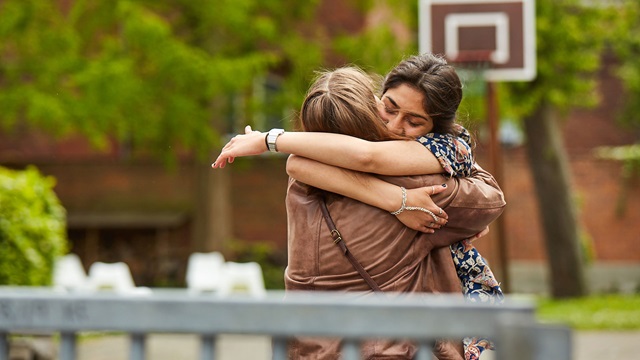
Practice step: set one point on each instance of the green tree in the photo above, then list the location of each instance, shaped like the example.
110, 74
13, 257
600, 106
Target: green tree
380, 45
156, 77
570, 43
152, 74
626, 45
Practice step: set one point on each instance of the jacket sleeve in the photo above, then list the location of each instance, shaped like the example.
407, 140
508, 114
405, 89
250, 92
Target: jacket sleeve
475, 203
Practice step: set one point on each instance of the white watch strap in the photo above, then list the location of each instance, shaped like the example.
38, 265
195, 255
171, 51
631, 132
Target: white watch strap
272, 136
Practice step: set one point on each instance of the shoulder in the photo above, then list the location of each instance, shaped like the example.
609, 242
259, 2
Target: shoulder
453, 152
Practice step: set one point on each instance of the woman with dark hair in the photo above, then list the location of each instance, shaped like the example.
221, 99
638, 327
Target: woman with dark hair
398, 260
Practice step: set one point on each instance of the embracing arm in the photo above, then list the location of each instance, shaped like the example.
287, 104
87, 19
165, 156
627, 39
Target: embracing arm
399, 157
369, 190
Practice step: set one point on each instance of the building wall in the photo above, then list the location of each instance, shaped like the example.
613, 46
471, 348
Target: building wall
141, 212
103, 187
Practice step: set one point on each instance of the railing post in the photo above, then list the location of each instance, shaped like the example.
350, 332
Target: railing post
350, 349
207, 347
552, 342
279, 348
67, 346
4, 346
514, 342
137, 347
423, 351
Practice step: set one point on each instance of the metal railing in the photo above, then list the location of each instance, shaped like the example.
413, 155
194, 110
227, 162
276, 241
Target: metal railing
352, 317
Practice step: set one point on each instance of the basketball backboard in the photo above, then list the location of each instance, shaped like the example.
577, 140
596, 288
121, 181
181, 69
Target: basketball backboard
498, 33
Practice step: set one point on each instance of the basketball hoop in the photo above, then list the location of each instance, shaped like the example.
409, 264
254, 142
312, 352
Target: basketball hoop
472, 60
471, 66
495, 37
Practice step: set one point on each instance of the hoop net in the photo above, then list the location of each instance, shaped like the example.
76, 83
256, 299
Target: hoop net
471, 66
472, 60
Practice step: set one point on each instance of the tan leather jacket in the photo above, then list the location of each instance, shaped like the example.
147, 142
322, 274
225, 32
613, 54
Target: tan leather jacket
397, 258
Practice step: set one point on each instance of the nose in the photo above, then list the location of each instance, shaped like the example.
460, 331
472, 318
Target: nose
394, 124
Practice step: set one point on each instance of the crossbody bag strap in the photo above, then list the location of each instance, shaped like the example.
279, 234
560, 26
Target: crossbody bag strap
337, 239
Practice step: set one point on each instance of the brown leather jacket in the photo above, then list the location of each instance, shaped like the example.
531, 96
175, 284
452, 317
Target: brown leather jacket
397, 258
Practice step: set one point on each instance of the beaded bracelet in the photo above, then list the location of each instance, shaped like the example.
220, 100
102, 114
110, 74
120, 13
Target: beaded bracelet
404, 202
412, 208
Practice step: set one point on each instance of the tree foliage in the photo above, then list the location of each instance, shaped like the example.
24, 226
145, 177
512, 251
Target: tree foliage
570, 41
571, 36
626, 45
155, 75
384, 41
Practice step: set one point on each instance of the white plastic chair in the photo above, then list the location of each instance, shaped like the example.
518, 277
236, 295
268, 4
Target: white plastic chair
113, 276
242, 278
204, 271
69, 274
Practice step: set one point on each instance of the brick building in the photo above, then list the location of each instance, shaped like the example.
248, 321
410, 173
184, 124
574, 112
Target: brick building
145, 214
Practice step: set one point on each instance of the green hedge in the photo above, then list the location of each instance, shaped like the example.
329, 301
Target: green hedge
32, 227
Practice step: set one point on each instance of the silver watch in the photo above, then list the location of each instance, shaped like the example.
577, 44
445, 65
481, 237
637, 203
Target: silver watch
272, 136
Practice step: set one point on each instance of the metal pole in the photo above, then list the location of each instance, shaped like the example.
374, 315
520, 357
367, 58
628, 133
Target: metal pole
495, 153
4, 346
68, 346
207, 347
136, 349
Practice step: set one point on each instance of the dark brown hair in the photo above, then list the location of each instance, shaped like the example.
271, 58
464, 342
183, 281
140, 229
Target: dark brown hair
438, 81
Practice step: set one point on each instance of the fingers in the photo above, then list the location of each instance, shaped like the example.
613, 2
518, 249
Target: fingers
437, 224
219, 164
221, 161
426, 229
477, 236
437, 189
247, 144
482, 233
441, 213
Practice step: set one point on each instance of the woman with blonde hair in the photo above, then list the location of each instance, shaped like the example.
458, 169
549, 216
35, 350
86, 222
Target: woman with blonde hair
398, 259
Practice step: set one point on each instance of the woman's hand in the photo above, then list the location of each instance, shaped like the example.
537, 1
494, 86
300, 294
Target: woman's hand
251, 143
477, 236
421, 213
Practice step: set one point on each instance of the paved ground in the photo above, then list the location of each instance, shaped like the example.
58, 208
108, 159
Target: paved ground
587, 346
176, 347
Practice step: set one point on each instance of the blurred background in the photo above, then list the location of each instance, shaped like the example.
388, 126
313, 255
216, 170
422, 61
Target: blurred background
112, 111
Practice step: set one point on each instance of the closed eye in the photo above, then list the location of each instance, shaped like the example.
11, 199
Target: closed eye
391, 111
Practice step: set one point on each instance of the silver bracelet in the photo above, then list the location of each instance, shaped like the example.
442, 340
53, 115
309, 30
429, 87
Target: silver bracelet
404, 202
412, 208
435, 218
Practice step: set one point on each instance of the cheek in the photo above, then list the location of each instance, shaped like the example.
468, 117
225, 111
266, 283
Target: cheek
416, 132
383, 114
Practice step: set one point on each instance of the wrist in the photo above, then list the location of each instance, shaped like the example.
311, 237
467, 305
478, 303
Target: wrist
271, 139
403, 205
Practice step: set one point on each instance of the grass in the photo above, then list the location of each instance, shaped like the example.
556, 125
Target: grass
598, 312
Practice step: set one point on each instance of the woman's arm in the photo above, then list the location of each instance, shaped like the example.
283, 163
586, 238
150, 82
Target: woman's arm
369, 190
399, 157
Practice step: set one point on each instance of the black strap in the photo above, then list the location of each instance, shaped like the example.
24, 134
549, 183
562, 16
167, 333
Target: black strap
337, 239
